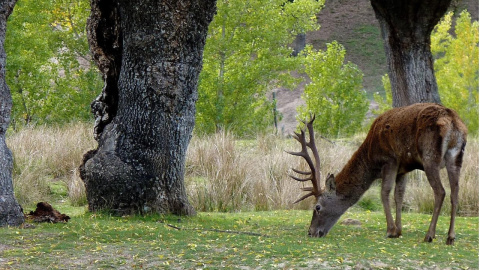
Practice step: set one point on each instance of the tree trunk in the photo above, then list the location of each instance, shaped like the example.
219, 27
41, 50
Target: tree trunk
406, 26
299, 43
150, 55
11, 213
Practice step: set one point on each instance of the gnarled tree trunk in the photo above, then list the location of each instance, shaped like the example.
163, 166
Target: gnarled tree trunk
150, 54
11, 213
406, 26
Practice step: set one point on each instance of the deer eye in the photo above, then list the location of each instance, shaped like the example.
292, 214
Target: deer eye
318, 207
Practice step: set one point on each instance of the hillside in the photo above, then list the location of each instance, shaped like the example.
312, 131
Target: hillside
353, 24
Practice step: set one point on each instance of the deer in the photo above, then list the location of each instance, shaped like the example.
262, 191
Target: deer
422, 136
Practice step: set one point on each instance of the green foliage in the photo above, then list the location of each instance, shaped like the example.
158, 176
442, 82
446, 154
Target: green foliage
48, 68
247, 54
335, 93
384, 104
456, 66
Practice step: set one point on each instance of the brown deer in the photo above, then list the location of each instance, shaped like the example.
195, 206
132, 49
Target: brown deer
421, 136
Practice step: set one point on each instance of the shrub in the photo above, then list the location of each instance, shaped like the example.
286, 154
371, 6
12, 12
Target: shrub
335, 94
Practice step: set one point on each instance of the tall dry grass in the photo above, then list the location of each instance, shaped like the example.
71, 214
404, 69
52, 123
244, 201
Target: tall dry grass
46, 155
225, 174
222, 172
419, 194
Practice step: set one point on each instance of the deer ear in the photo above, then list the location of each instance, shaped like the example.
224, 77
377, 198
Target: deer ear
330, 182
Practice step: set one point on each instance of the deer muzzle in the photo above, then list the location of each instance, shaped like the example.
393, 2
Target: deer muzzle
314, 232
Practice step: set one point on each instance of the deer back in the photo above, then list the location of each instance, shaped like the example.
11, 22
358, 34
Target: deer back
408, 134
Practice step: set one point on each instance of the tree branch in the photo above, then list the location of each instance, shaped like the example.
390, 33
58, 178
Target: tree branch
217, 230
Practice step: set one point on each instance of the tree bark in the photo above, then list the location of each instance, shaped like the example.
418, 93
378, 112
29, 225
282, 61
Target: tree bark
11, 213
299, 43
406, 26
150, 54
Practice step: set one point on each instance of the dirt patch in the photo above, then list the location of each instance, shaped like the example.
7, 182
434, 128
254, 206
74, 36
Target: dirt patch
4, 247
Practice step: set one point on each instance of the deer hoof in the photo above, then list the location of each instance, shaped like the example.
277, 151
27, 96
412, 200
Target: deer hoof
428, 239
450, 241
393, 235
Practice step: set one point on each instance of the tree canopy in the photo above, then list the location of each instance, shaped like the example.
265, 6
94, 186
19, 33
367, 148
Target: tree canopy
49, 68
456, 66
247, 54
335, 93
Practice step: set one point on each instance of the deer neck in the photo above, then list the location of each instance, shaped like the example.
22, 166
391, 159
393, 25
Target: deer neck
356, 177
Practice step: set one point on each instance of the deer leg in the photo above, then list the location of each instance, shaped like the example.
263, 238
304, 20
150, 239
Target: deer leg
433, 176
389, 173
399, 194
453, 165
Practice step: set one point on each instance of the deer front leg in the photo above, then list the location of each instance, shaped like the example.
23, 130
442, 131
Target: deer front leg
399, 194
389, 174
433, 176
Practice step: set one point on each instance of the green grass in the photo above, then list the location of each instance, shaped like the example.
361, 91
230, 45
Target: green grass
100, 241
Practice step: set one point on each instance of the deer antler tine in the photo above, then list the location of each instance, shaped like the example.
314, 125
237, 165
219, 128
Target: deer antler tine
301, 172
299, 136
298, 154
304, 197
300, 179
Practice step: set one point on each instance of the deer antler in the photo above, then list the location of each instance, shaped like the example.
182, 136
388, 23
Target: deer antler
314, 173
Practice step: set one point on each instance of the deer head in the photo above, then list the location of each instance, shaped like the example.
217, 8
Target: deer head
329, 206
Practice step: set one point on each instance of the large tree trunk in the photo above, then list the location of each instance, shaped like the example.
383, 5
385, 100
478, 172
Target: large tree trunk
11, 213
406, 26
150, 54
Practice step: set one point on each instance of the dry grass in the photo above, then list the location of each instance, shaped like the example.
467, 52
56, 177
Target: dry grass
222, 174
419, 194
46, 155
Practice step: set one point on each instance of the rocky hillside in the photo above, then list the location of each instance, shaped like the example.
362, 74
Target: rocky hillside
353, 24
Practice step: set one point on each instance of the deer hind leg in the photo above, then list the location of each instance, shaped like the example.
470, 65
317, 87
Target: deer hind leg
389, 174
399, 194
433, 175
453, 163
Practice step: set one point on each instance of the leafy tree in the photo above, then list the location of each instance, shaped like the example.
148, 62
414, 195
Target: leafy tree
48, 66
456, 66
246, 55
406, 26
335, 94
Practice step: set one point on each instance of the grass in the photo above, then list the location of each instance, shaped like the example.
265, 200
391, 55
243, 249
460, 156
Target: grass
100, 241
46, 159
226, 175
222, 173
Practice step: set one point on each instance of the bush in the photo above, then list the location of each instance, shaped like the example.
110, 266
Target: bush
335, 94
